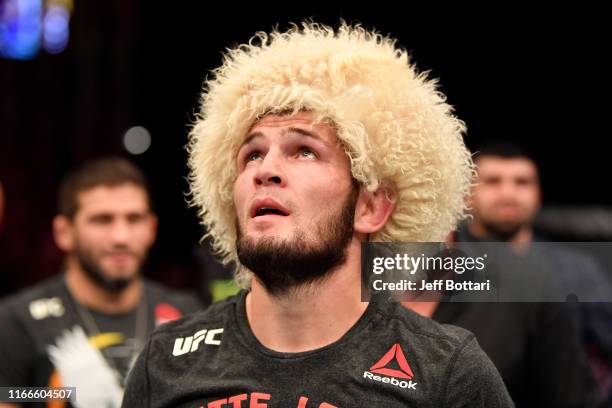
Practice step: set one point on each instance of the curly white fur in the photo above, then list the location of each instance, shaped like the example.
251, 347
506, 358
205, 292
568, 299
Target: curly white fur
396, 127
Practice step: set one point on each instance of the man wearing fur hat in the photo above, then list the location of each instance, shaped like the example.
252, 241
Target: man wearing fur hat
309, 143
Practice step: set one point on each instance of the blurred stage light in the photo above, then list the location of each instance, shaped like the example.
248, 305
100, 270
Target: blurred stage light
20, 28
56, 29
137, 140
25, 25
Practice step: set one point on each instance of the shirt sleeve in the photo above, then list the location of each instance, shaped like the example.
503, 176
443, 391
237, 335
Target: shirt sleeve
17, 350
473, 381
137, 388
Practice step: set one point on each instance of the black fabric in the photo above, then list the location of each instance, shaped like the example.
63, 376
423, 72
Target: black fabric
26, 331
535, 347
234, 370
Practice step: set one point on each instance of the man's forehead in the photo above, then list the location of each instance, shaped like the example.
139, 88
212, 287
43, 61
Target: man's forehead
302, 123
506, 166
278, 119
112, 198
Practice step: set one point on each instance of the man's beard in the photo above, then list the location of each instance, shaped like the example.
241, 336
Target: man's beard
285, 265
502, 231
94, 270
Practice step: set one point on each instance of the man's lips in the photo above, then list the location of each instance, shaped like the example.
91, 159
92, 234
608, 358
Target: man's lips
267, 206
120, 256
508, 208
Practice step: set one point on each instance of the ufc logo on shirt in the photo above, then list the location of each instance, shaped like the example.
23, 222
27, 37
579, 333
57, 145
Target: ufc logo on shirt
190, 344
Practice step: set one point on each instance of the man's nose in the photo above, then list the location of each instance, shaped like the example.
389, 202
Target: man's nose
508, 189
270, 171
120, 232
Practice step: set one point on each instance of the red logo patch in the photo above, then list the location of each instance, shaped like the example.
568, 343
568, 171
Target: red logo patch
395, 352
165, 312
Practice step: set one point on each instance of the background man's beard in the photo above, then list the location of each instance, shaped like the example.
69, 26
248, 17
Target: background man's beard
502, 232
95, 272
283, 265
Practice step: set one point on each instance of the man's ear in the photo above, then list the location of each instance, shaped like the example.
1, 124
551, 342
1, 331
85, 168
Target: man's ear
540, 197
153, 222
373, 209
63, 233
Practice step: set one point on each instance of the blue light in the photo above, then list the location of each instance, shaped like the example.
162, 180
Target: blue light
56, 29
20, 28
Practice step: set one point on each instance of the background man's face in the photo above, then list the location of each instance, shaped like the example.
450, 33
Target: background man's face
294, 197
507, 194
113, 230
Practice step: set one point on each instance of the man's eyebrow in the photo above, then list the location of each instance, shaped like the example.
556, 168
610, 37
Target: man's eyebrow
101, 214
250, 137
304, 132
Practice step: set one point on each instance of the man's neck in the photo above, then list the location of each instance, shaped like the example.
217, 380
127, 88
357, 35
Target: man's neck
311, 317
88, 293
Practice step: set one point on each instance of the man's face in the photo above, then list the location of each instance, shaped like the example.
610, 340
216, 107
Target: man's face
112, 232
294, 199
507, 194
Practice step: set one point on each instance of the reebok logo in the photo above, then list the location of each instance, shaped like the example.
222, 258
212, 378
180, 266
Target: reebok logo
184, 345
404, 371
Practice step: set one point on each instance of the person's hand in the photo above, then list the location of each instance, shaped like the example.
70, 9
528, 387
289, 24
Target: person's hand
82, 366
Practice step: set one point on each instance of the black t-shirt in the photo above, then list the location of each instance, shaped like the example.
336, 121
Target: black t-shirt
33, 319
391, 357
533, 345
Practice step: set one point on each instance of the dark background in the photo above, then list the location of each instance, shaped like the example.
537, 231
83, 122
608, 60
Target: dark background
536, 77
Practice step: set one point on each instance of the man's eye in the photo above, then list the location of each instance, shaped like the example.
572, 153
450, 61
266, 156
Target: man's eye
253, 156
309, 154
101, 219
135, 218
522, 182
